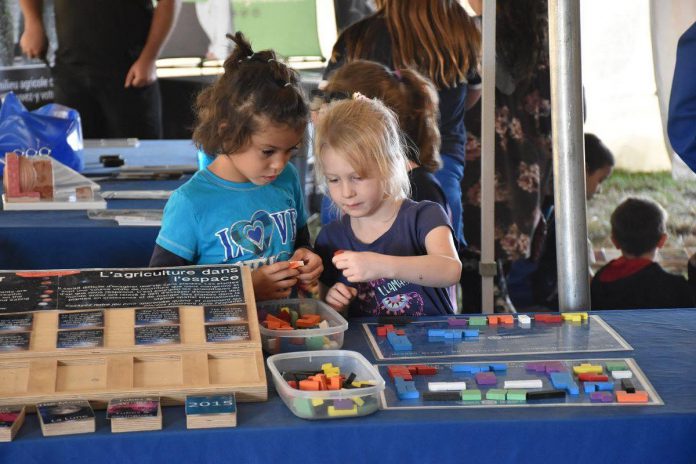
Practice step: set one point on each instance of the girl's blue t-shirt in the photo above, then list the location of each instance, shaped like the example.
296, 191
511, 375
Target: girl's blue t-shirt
406, 237
209, 220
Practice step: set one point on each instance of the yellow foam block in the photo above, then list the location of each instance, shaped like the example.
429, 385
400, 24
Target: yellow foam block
357, 400
317, 402
343, 412
587, 369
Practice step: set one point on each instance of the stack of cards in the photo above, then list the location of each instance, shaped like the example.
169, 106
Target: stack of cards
11, 419
157, 326
135, 414
15, 331
80, 329
205, 412
65, 417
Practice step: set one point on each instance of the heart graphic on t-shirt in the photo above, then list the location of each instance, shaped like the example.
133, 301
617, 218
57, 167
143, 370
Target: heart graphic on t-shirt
255, 234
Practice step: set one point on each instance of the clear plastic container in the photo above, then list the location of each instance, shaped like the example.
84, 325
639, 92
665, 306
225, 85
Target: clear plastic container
284, 341
327, 404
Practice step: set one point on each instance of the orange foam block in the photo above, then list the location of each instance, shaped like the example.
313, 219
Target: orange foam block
637, 397
310, 385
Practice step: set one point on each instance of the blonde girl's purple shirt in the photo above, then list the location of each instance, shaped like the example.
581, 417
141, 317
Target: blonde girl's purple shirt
406, 237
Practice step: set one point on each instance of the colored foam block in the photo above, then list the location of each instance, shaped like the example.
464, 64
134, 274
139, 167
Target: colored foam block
446, 386
436, 332
426, 370
616, 366
636, 397
486, 378
496, 394
548, 318
545, 395
441, 396
456, 322
317, 402
405, 390
399, 342
601, 397
563, 380
588, 368
516, 395
627, 386
468, 368
344, 403
574, 317
399, 371
524, 320
589, 377
381, 331
477, 320
471, 395
303, 407
530, 383
335, 412
470, 333
590, 387
498, 367
618, 375
358, 401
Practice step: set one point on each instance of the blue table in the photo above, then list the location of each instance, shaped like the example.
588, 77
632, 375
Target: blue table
69, 239
664, 343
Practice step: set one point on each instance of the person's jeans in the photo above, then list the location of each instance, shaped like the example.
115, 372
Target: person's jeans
450, 178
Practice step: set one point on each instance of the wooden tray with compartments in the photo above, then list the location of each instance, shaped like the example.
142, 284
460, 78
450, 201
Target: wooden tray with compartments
105, 353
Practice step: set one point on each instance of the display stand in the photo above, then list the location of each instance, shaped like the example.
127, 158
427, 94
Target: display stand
125, 354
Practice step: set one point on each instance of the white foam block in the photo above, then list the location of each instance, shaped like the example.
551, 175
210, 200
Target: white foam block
523, 319
621, 374
446, 386
533, 383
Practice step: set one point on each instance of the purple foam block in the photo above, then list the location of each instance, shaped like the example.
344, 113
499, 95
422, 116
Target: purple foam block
536, 367
343, 404
555, 366
601, 397
456, 322
486, 378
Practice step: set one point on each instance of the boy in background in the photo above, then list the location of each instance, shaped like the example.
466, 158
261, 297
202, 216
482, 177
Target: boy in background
634, 280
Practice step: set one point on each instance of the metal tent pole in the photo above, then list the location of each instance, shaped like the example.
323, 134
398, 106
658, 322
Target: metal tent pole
568, 155
487, 267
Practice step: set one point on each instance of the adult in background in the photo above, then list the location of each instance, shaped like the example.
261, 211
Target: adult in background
681, 122
441, 41
522, 132
105, 62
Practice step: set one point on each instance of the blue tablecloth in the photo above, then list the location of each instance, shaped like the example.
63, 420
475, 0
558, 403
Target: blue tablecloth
664, 343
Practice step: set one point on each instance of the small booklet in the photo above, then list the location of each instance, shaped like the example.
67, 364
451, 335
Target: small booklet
156, 316
81, 319
211, 411
81, 338
134, 414
214, 314
11, 419
65, 417
226, 333
157, 335
15, 341
16, 322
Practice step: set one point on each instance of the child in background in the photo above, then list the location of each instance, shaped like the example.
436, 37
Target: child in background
387, 255
635, 281
247, 205
599, 163
414, 100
